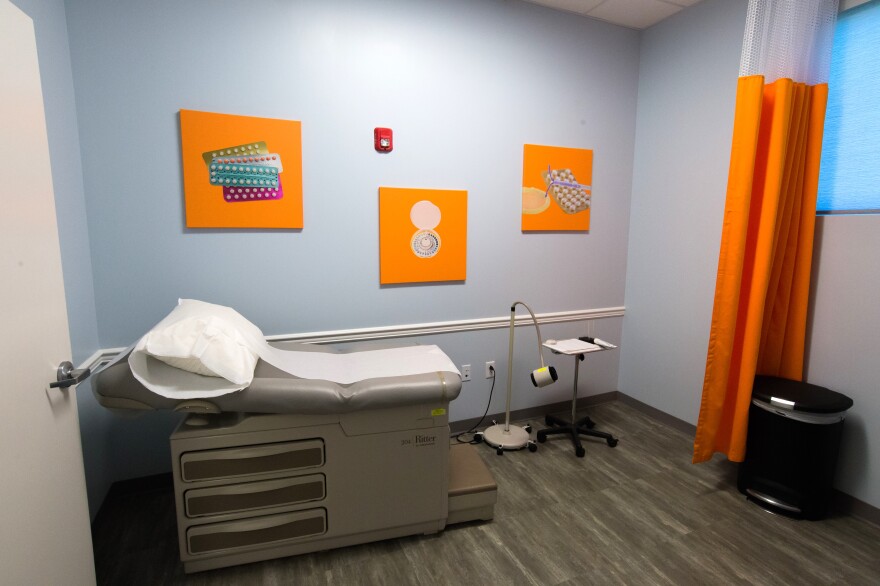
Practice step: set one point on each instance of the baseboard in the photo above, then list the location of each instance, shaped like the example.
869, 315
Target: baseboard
661, 416
532, 412
845, 504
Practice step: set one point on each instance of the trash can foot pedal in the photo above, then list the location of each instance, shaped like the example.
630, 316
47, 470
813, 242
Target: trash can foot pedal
754, 494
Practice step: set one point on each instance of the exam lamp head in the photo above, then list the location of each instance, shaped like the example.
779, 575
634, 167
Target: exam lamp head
546, 375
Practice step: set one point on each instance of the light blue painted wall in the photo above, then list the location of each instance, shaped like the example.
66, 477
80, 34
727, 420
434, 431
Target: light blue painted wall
843, 341
463, 83
50, 28
687, 86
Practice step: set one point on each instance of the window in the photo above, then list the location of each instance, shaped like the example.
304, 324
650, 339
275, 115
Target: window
849, 179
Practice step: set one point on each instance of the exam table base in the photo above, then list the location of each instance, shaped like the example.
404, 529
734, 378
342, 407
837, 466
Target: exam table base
256, 487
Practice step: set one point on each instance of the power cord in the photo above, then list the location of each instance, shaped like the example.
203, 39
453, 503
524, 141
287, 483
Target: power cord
477, 437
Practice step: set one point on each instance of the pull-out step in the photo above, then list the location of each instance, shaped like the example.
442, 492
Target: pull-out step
472, 489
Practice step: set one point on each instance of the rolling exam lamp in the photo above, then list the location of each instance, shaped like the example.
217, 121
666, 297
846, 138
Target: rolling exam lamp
513, 437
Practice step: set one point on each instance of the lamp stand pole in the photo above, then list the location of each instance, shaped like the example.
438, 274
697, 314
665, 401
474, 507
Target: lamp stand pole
512, 437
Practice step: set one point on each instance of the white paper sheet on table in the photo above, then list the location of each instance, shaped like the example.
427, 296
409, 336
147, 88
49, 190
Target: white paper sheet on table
172, 382
356, 366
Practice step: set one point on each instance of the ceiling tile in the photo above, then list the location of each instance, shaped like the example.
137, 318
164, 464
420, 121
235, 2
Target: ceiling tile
578, 6
638, 14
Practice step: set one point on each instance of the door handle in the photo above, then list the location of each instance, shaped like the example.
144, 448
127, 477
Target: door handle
68, 376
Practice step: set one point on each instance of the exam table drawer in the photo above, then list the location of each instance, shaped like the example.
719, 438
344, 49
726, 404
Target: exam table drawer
250, 460
256, 531
236, 498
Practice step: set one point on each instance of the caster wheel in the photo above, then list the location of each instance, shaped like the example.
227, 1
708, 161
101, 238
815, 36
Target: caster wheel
478, 438
612, 442
579, 452
542, 437
528, 428
590, 423
547, 420
533, 447
500, 451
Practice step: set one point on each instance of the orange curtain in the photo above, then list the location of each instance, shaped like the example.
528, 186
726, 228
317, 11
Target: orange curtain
762, 287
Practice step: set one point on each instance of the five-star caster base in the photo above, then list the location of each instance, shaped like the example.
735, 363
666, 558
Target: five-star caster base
583, 426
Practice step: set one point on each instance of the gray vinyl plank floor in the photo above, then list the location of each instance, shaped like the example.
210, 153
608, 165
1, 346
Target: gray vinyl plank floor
639, 513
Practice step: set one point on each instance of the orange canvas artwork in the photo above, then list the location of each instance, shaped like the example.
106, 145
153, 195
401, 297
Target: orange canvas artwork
556, 188
422, 235
241, 171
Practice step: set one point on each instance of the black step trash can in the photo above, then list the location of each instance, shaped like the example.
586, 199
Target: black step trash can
792, 445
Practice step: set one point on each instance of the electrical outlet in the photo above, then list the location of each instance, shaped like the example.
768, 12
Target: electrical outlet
465, 372
490, 369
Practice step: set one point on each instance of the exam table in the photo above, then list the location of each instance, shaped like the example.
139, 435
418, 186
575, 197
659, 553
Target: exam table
289, 466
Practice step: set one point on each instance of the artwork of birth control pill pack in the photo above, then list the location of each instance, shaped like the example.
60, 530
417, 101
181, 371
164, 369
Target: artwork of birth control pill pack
246, 172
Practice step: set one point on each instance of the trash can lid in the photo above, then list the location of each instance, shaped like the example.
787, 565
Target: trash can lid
804, 396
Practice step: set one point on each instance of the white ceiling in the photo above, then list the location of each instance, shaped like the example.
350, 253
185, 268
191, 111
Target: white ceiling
637, 14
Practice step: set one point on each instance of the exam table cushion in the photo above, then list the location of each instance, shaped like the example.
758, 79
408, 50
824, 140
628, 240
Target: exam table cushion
275, 391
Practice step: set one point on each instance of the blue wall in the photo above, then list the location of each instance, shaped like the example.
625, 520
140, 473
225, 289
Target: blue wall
687, 89
463, 83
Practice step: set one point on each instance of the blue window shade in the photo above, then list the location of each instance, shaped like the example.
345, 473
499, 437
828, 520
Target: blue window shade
849, 178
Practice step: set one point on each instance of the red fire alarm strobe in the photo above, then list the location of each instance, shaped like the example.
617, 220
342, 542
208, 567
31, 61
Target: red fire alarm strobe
382, 139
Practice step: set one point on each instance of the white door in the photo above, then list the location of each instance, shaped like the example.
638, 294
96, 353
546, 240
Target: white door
45, 536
